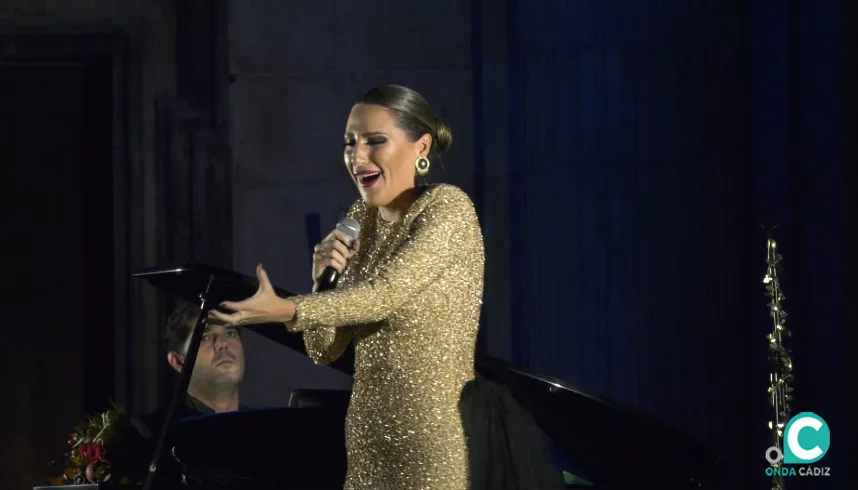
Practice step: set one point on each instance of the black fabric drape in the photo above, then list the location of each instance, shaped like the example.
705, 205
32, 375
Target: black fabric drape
507, 450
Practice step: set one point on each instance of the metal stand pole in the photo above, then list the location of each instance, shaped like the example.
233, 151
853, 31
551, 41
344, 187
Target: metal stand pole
181, 388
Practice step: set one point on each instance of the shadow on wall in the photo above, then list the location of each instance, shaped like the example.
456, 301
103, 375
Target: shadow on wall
274, 372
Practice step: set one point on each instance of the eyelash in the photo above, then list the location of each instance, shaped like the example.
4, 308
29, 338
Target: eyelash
373, 143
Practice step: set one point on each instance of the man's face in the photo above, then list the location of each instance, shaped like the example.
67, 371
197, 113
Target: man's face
220, 360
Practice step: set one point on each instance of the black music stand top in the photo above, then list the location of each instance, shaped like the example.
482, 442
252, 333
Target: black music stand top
189, 281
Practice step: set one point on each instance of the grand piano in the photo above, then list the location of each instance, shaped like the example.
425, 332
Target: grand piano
594, 442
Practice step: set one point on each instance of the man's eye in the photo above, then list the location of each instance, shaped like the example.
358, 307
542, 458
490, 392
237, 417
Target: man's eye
233, 333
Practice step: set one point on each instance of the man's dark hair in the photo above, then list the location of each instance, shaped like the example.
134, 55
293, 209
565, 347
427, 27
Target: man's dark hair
179, 326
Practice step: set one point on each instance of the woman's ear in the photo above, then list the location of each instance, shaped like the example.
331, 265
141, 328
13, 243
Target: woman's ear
424, 144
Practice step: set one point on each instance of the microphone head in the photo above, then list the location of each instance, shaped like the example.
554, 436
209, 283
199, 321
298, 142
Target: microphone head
350, 227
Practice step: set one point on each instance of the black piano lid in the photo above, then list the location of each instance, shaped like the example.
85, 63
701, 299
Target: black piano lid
613, 444
266, 448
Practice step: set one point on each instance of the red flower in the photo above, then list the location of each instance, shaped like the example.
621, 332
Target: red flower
92, 452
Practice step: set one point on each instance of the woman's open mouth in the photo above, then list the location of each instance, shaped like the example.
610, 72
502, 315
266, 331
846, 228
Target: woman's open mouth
368, 179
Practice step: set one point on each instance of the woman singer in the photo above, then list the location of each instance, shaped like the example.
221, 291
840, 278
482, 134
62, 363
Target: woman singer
408, 296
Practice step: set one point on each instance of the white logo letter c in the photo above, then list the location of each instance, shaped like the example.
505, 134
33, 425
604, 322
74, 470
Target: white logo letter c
792, 438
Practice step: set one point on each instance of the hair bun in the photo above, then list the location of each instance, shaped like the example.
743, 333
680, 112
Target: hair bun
413, 115
443, 138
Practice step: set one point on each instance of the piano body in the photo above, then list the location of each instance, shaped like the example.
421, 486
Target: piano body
595, 442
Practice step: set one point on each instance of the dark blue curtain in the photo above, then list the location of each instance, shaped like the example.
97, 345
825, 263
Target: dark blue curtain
648, 142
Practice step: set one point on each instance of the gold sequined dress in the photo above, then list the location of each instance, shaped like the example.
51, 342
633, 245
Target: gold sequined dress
410, 301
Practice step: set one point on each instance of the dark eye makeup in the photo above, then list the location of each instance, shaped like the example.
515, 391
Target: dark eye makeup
373, 141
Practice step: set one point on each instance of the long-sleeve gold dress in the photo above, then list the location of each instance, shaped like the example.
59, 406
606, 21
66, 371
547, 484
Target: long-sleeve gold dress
410, 301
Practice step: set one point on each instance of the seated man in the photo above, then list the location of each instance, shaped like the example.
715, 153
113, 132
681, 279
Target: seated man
215, 382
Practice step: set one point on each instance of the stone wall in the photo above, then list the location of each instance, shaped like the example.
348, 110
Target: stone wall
145, 35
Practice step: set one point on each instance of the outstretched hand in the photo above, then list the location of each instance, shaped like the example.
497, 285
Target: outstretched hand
263, 307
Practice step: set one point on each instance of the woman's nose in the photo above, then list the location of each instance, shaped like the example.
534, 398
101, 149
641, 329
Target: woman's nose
360, 154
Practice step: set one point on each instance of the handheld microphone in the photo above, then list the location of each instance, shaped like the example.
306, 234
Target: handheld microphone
330, 275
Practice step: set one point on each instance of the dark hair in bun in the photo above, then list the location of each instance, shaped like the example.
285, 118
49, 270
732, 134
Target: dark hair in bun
413, 115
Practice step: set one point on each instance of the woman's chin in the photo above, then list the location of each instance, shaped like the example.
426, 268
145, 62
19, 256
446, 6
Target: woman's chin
373, 198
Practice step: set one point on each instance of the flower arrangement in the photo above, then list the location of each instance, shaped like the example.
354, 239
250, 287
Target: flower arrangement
105, 447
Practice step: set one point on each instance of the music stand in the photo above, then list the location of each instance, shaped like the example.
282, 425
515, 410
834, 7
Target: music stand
194, 283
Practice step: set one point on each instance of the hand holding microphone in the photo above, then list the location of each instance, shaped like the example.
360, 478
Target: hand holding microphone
331, 256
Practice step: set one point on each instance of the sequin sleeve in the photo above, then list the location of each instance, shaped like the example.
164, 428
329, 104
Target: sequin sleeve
326, 345
447, 224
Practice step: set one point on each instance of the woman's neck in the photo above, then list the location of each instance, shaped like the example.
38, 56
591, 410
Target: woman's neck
397, 208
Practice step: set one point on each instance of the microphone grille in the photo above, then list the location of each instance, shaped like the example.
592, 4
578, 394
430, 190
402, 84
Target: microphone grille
350, 227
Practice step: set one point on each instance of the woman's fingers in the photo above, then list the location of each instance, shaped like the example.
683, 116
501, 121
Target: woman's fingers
229, 305
264, 282
327, 250
334, 251
216, 317
338, 246
342, 237
337, 260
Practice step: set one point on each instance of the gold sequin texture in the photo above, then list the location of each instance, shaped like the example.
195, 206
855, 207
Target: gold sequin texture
410, 301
